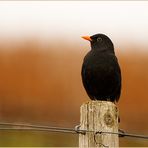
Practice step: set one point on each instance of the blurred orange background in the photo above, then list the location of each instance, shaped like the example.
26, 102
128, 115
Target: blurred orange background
40, 83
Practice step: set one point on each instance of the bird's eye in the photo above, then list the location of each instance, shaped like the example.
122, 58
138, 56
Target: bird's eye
99, 39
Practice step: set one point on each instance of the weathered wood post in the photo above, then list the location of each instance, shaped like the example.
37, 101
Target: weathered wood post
99, 116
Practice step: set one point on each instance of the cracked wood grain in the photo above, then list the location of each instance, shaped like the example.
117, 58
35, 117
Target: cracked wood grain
99, 116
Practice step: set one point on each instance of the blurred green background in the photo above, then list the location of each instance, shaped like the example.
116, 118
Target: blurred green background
41, 54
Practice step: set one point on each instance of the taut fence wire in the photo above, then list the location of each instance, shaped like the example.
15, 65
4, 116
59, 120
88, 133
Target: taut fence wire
76, 130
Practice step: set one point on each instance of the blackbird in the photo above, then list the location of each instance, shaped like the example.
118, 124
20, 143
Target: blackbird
101, 75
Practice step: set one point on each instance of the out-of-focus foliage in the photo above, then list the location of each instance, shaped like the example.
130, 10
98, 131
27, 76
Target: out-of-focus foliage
42, 85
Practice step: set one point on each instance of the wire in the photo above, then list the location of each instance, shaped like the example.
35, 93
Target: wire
20, 126
123, 134
35, 129
76, 130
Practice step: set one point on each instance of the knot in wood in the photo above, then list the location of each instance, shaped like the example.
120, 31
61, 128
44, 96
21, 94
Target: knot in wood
108, 119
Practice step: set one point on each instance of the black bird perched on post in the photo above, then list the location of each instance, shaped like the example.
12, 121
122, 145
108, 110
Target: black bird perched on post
101, 73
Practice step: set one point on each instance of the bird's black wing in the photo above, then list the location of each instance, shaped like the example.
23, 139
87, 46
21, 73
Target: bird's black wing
101, 78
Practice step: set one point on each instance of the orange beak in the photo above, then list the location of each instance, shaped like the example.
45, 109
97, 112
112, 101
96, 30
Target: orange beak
87, 38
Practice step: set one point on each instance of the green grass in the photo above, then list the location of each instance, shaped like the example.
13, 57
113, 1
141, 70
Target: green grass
52, 139
37, 139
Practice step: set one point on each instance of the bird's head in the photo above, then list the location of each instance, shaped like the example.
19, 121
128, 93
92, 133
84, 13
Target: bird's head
100, 42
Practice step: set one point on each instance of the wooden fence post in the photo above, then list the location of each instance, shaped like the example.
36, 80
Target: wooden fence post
99, 116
